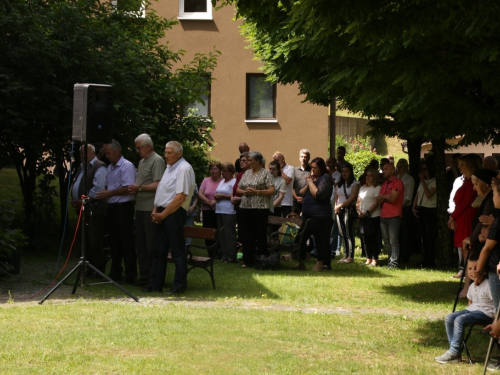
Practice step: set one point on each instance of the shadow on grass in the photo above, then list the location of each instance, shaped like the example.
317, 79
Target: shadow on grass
432, 334
426, 291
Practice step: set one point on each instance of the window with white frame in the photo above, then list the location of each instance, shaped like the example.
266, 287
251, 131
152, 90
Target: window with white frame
203, 105
195, 9
260, 98
135, 8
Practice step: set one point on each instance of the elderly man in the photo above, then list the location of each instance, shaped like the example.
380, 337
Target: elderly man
301, 174
120, 217
171, 203
407, 221
149, 174
391, 198
288, 174
243, 147
96, 209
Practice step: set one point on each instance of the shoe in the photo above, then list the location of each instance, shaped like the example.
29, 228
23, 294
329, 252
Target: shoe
392, 266
493, 367
494, 360
458, 275
372, 264
327, 267
348, 260
141, 283
174, 291
449, 357
300, 267
341, 260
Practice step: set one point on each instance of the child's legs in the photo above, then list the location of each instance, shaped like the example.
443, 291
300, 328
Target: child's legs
456, 323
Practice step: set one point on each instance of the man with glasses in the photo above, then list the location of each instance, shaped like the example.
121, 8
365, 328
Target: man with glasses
149, 173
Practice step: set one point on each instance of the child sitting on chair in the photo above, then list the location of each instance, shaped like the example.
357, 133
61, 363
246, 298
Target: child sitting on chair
481, 310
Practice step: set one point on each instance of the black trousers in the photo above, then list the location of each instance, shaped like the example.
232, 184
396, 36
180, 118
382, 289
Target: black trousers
253, 233
209, 221
428, 228
121, 240
320, 228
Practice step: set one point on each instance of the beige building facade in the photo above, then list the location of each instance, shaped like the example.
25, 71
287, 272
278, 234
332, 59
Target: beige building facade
288, 127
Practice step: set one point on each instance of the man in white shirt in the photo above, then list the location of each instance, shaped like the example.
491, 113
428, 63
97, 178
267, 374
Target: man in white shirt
171, 203
407, 220
288, 174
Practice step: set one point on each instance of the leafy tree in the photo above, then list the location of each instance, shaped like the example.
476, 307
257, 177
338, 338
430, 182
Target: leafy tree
422, 70
48, 46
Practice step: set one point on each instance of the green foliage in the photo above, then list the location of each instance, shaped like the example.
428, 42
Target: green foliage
49, 45
360, 159
11, 240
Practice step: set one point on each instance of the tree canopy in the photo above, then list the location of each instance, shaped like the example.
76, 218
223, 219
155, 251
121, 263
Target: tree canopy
431, 66
49, 45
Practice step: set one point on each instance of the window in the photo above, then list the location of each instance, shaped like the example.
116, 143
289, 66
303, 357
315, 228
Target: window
203, 106
135, 8
260, 99
195, 9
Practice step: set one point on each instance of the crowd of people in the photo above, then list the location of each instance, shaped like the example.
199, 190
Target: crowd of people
161, 196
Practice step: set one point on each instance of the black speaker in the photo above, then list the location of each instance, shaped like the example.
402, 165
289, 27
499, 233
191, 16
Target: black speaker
93, 113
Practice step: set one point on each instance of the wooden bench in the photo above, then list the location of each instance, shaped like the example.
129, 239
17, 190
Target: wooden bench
203, 262
274, 240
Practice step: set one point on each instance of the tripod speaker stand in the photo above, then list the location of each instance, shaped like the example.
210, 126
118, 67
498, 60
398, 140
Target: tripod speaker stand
84, 263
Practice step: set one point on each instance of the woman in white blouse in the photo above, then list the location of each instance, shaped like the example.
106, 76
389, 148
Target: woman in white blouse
369, 216
226, 214
345, 209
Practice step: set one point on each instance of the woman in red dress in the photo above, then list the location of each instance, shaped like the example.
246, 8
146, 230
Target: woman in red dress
461, 219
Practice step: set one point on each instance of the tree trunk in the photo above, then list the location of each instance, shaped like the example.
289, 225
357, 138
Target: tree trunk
414, 146
443, 238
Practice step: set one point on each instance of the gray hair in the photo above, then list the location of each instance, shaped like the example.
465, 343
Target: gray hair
176, 146
305, 151
115, 145
145, 139
245, 155
89, 147
256, 156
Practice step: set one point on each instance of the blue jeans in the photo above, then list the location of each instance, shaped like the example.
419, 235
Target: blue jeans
494, 287
456, 322
390, 234
170, 236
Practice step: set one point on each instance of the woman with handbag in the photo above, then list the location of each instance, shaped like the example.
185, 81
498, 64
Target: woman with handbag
345, 209
424, 209
368, 209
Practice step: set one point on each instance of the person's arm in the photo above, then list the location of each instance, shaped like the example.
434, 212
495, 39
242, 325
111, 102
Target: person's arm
127, 178
483, 256
278, 199
170, 209
204, 199
286, 177
464, 203
265, 192
358, 208
414, 208
149, 188
429, 191
99, 182
353, 197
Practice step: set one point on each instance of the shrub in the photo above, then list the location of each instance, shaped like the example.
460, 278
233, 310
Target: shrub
11, 240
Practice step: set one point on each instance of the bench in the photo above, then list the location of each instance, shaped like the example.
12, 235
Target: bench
196, 261
275, 244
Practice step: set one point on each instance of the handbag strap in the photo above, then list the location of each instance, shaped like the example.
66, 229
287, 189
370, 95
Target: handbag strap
423, 195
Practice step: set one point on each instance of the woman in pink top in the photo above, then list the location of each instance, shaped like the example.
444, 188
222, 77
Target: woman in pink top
207, 197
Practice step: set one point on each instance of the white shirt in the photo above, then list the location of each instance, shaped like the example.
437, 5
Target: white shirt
279, 187
422, 199
288, 198
341, 198
481, 298
409, 184
457, 184
224, 206
368, 195
178, 178
336, 177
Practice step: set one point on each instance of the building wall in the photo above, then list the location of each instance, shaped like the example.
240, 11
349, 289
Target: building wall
300, 125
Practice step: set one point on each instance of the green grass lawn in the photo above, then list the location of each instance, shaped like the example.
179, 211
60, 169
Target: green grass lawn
353, 319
